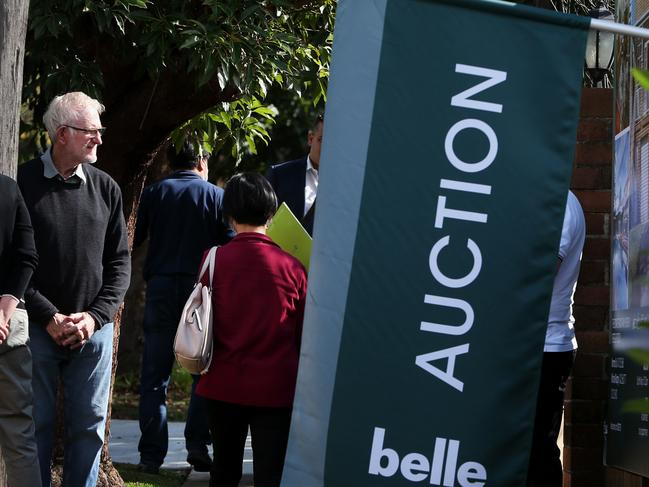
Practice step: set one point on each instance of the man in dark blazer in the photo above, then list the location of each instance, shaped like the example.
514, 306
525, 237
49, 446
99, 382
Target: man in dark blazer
18, 260
296, 182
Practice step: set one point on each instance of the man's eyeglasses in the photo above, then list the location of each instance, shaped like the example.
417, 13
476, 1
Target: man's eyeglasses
91, 132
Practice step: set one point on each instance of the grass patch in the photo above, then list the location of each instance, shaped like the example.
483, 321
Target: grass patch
126, 395
134, 478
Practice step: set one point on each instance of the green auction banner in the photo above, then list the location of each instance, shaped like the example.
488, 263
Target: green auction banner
448, 146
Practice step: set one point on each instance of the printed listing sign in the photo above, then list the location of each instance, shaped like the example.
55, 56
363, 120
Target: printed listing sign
627, 424
449, 141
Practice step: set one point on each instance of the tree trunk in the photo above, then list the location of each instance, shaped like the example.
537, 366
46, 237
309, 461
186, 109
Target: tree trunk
108, 474
13, 27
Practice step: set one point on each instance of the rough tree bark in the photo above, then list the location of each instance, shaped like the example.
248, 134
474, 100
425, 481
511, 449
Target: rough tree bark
13, 27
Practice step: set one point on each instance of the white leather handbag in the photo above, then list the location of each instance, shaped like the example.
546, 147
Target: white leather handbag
193, 342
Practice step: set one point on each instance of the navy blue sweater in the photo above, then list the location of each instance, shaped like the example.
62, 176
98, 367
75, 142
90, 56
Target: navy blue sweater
182, 215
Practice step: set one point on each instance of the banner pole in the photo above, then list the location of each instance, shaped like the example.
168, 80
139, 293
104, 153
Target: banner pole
624, 29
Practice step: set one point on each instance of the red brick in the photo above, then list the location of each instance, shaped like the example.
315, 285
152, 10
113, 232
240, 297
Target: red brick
596, 102
576, 459
587, 178
596, 248
593, 341
590, 318
620, 478
594, 201
597, 224
595, 129
593, 153
589, 365
593, 477
582, 435
592, 295
584, 411
588, 388
606, 177
593, 272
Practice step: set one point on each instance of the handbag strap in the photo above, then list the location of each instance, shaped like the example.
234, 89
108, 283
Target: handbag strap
209, 262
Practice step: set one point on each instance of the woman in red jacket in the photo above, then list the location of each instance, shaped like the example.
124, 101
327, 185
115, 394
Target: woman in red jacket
258, 300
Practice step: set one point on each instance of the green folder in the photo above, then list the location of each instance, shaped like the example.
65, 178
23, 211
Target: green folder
287, 232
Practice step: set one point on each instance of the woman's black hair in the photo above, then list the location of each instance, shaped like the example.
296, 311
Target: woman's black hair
249, 199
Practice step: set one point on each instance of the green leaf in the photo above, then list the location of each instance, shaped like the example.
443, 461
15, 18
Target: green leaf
210, 68
643, 324
249, 11
120, 24
251, 144
262, 87
221, 80
636, 406
641, 76
191, 41
640, 356
265, 112
260, 132
227, 120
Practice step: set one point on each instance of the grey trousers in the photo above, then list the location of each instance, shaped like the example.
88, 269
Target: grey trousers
16, 423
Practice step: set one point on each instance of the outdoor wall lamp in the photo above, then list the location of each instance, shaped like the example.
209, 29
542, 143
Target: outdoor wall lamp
599, 48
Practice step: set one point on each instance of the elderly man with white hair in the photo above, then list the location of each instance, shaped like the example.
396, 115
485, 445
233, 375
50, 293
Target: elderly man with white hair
83, 274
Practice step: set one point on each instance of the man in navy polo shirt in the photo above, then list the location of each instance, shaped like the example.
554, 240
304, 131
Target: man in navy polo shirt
182, 217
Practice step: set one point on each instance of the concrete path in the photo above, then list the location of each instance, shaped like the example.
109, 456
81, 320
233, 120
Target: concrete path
198, 479
125, 435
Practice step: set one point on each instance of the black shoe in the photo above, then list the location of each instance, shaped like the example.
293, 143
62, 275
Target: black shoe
200, 460
148, 468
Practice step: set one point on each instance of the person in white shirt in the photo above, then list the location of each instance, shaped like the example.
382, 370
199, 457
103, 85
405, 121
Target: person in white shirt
296, 182
558, 353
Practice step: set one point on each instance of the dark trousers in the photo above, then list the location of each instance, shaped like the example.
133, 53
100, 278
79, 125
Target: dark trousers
165, 298
545, 460
229, 427
17, 435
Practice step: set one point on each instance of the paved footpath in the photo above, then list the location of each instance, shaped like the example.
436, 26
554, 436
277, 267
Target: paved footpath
125, 435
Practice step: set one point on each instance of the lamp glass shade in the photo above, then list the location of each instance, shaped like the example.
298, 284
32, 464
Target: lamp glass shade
606, 44
599, 45
591, 49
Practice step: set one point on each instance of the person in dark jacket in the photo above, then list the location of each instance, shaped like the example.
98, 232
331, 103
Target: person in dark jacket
78, 286
296, 182
18, 260
182, 216
259, 292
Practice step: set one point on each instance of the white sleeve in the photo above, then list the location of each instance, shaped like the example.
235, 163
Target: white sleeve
572, 226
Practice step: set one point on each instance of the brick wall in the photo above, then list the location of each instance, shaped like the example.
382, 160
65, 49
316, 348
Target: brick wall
588, 389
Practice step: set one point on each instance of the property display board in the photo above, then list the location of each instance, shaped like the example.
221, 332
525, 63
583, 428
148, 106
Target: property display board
445, 168
627, 422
